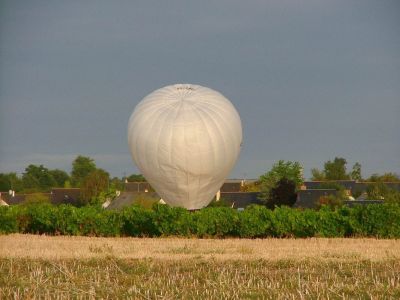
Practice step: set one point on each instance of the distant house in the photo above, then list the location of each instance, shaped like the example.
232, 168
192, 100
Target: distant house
2, 201
65, 196
230, 193
235, 185
347, 184
13, 199
230, 185
138, 187
363, 186
352, 186
240, 199
309, 198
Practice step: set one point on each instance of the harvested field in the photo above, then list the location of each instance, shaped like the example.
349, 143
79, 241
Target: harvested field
72, 247
83, 267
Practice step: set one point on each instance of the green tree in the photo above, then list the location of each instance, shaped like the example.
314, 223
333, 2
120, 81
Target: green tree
60, 177
284, 193
356, 172
93, 185
37, 179
117, 184
317, 175
10, 181
292, 171
82, 166
136, 178
377, 191
336, 169
386, 177
381, 191
5, 184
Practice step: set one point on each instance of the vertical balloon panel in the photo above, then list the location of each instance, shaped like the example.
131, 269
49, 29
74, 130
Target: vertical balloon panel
185, 139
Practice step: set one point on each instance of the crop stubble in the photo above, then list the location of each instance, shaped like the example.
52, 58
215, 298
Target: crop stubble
34, 266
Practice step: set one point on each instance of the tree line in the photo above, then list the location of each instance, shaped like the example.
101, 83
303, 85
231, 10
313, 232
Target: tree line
278, 186
95, 183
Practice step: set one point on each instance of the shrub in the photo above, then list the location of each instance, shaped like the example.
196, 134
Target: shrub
36, 198
331, 201
333, 222
285, 222
40, 219
138, 221
172, 220
67, 220
216, 221
379, 220
8, 220
220, 203
146, 201
255, 221
93, 221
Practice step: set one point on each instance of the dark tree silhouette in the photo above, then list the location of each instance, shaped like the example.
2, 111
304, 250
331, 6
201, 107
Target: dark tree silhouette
283, 194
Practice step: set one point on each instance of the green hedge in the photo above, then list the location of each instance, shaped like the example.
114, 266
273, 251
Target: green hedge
382, 221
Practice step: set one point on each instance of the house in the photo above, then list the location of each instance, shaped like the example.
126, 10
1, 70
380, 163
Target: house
309, 198
240, 199
13, 199
138, 187
2, 201
347, 184
229, 192
230, 185
361, 187
65, 196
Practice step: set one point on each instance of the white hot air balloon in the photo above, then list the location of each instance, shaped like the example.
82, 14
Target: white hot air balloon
185, 139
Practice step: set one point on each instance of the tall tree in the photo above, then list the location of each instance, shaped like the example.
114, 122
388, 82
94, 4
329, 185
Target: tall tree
82, 166
136, 178
5, 184
37, 178
317, 175
94, 184
117, 184
336, 169
386, 177
356, 172
284, 193
292, 171
10, 181
59, 176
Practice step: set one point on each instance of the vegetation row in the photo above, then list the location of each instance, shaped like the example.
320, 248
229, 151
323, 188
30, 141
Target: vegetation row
381, 221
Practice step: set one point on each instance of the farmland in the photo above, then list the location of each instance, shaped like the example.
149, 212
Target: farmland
55, 266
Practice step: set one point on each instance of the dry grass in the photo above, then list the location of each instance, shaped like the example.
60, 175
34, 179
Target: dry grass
64, 247
82, 267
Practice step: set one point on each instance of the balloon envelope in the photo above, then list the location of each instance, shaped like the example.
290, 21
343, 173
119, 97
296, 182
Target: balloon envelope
185, 139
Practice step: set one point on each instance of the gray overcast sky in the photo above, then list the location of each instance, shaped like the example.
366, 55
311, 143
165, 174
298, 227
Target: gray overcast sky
311, 80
